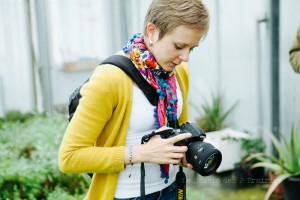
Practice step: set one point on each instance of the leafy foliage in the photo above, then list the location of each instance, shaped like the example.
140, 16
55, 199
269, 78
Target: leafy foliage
29, 146
213, 116
287, 164
252, 146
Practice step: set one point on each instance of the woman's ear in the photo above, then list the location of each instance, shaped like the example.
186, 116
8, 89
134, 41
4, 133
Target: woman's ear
151, 29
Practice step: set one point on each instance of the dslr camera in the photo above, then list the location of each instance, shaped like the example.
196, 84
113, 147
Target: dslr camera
204, 157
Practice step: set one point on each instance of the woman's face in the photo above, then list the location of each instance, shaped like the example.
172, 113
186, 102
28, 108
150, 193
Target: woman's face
175, 47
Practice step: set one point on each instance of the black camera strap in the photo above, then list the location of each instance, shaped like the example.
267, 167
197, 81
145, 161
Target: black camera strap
142, 185
180, 184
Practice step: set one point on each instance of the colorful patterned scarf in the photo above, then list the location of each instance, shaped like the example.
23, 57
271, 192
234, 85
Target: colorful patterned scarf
166, 110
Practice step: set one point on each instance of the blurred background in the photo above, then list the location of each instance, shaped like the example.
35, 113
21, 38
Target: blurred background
50, 47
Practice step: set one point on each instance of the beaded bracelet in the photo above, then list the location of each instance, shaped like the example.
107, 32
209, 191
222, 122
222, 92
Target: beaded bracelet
130, 155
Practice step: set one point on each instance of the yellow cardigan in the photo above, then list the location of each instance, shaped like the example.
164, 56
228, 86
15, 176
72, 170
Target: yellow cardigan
103, 116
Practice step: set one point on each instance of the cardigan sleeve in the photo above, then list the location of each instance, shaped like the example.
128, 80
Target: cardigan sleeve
182, 75
295, 53
77, 152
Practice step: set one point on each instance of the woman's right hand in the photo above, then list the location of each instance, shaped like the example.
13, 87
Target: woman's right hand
161, 151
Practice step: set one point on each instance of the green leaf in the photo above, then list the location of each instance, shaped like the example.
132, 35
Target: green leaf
275, 183
213, 116
272, 166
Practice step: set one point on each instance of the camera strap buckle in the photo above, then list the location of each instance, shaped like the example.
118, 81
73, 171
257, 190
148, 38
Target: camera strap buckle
163, 134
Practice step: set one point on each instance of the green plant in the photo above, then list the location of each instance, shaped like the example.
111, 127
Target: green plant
59, 193
212, 117
252, 146
15, 116
28, 158
286, 164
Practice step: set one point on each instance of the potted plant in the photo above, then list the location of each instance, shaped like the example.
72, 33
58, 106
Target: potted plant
286, 165
213, 116
243, 173
213, 120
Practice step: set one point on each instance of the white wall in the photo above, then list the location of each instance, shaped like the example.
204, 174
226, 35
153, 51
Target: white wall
229, 60
226, 61
15, 63
82, 30
239, 65
78, 31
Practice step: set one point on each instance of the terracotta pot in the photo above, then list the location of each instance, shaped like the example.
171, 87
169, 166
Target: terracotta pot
279, 189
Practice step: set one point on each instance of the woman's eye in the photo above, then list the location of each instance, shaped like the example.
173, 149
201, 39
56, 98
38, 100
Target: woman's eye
178, 47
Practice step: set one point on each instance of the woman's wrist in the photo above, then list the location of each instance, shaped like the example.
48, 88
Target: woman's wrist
132, 154
137, 154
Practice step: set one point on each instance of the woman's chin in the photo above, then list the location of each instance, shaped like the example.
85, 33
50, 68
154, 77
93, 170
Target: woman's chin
169, 67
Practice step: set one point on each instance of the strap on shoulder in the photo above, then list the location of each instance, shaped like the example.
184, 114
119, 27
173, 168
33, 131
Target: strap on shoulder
129, 68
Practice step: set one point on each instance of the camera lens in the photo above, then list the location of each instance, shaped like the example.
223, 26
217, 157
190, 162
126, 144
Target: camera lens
204, 157
211, 163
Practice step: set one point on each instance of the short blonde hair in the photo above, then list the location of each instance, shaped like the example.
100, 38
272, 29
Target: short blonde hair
166, 15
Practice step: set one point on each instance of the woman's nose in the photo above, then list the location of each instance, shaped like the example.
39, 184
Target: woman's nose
184, 56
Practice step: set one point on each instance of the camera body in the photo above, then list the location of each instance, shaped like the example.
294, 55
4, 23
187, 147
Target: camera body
204, 157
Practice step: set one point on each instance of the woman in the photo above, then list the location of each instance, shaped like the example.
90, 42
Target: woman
295, 53
104, 136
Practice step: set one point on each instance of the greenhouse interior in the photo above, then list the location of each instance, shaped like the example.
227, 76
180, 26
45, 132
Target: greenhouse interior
243, 93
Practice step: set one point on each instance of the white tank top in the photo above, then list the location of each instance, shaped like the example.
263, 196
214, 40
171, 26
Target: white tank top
141, 123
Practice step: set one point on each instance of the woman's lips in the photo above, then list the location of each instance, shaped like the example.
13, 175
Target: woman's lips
173, 64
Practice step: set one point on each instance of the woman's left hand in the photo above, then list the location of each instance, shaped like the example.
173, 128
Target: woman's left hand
184, 163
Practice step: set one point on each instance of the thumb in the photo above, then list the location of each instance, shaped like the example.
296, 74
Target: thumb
180, 137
